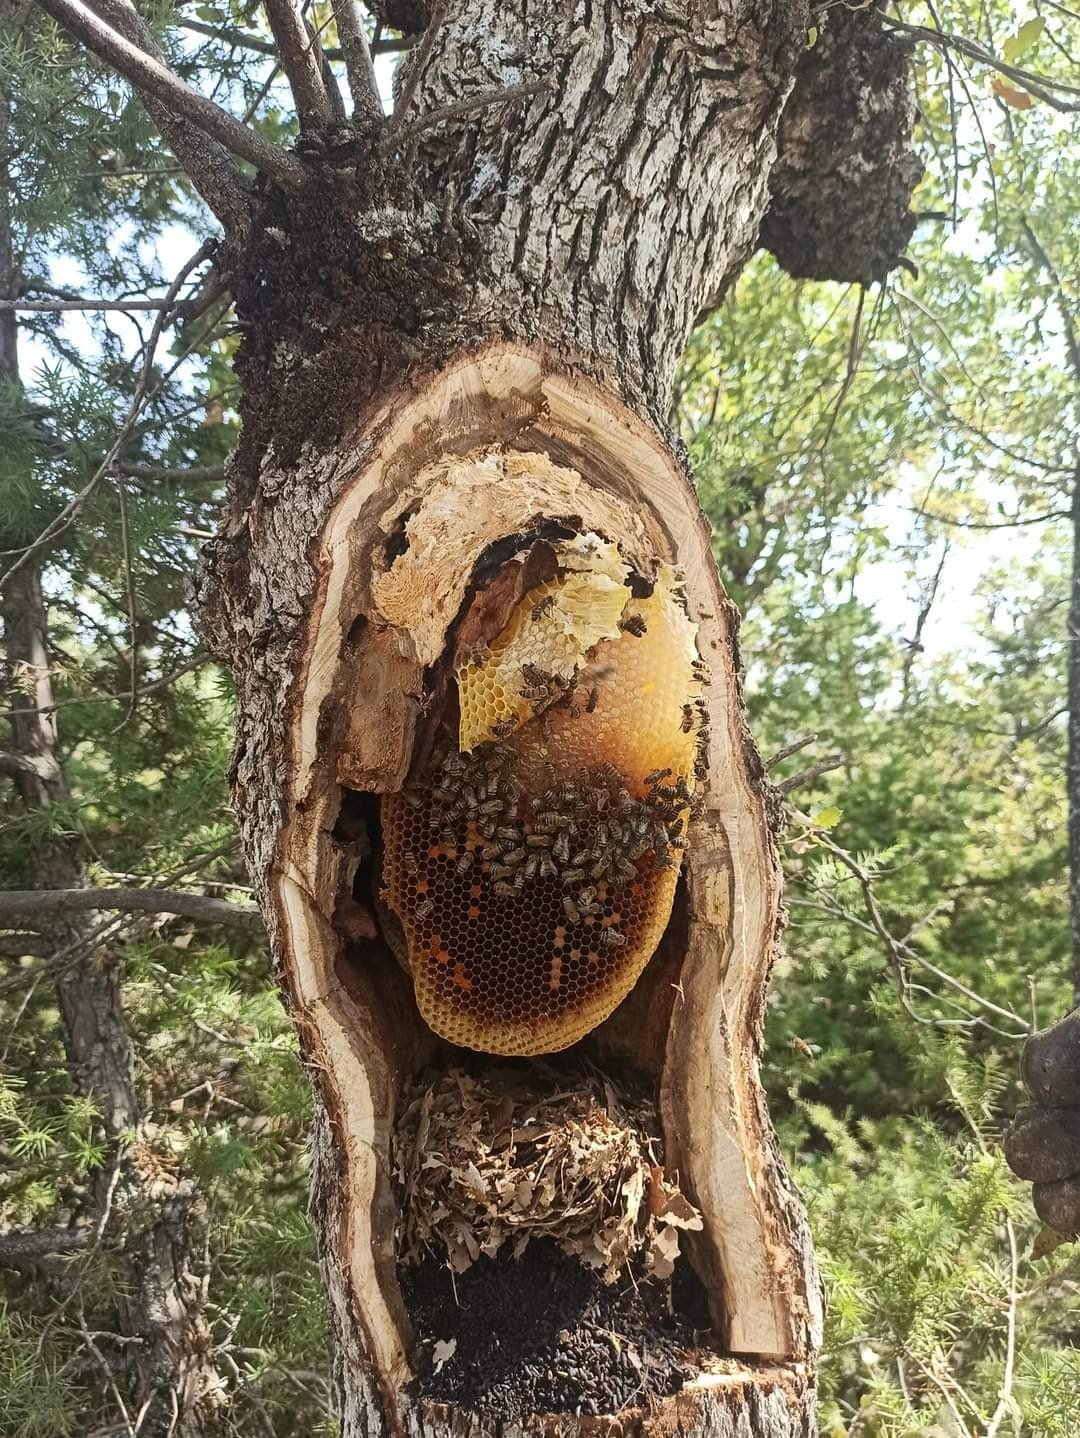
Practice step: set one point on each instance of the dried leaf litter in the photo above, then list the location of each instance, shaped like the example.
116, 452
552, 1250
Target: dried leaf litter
537, 1240
507, 1157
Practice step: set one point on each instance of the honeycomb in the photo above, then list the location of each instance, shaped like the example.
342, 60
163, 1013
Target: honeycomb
550, 631
533, 866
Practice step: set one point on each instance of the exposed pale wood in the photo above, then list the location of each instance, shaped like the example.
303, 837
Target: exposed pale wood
611, 473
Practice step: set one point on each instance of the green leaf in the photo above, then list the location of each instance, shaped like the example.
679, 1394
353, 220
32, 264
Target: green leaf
1020, 43
826, 818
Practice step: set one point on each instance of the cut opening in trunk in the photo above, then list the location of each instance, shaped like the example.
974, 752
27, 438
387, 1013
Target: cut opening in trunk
528, 909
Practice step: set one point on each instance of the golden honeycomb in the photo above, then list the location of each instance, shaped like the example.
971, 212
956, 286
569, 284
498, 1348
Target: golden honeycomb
533, 871
552, 628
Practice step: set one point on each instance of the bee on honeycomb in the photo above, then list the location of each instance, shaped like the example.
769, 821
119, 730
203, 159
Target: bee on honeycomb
533, 864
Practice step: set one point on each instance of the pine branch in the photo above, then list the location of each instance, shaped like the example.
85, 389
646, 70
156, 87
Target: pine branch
187, 119
42, 902
296, 51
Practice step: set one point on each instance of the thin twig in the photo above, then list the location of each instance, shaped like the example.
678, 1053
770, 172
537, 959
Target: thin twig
243, 40
405, 134
786, 751
814, 771
132, 607
1041, 86
899, 954
1004, 1402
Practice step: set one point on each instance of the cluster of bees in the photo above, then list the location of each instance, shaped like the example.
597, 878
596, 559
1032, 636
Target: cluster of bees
696, 713
581, 831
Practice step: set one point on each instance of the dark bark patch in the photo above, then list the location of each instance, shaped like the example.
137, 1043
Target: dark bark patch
340, 289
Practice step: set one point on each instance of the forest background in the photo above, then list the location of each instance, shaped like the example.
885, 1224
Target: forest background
890, 475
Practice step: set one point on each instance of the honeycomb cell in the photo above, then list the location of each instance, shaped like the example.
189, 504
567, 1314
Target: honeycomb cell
533, 875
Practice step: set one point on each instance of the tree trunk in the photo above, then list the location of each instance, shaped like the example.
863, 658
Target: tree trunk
459, 335
439, 370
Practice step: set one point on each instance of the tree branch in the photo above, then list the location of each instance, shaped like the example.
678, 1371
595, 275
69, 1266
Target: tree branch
21, 1245
413, 73
786, 751
296, 51
90, 303
359, 66
245, 41
16, 765
1041, 86
171, 100
16, 902
174, 474
815, 771
405, 134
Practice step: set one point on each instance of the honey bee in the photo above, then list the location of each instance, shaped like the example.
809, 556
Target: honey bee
687, 718
545, 606
634, 625
424, 908
504, 727
609, 937
592, 701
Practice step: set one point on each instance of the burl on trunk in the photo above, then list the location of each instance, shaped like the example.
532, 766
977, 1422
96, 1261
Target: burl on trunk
514, 844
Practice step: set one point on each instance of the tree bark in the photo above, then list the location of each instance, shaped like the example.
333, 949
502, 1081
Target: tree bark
526, 291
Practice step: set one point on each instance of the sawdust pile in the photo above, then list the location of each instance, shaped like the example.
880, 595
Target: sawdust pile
485, 1163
